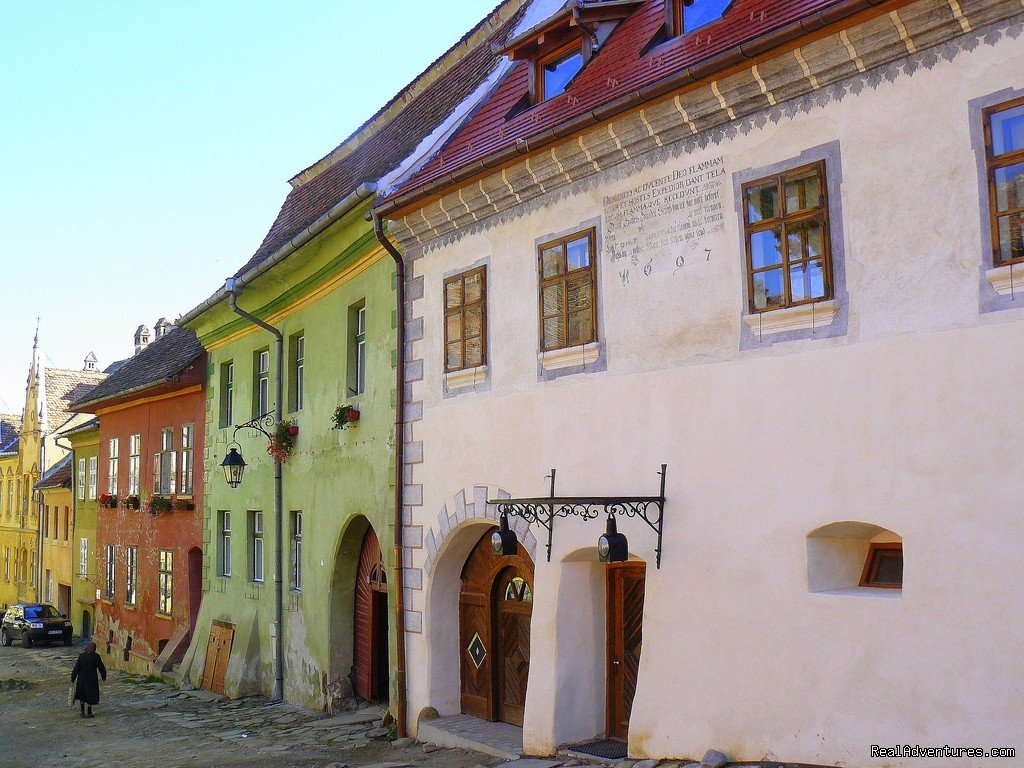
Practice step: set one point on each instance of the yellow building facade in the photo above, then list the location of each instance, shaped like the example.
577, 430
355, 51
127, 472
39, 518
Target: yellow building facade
29, 449
56, 533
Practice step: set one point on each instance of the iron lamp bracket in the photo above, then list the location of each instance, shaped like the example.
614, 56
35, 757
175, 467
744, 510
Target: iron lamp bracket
544, 509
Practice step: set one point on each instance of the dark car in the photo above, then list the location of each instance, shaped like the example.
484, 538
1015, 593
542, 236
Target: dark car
35, 623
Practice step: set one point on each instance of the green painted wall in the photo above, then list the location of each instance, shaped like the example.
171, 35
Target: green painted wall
85, 445
340, 480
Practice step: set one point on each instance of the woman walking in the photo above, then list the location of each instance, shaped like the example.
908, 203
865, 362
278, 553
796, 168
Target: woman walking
85, 676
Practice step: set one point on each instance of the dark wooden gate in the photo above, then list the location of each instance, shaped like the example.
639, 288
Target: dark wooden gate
370, 644
495, 606
625, 616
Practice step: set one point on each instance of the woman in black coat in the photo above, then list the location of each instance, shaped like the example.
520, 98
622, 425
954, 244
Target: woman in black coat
85, 676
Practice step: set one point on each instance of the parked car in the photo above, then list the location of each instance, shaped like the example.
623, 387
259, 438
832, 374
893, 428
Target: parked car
35, 623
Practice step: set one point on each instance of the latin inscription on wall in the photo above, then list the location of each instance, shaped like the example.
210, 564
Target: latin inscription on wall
667, 224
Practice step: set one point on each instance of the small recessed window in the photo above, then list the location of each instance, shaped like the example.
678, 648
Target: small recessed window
555, 72
883, 567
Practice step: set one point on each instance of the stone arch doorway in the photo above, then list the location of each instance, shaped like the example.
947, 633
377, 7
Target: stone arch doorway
86, 625
370, 640
495, 609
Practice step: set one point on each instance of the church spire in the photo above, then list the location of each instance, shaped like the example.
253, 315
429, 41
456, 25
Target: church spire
31, 414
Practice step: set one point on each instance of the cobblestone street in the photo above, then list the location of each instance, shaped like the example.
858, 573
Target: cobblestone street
144, 723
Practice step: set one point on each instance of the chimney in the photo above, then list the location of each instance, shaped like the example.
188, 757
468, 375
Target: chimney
163, 325
141, 338
90, 362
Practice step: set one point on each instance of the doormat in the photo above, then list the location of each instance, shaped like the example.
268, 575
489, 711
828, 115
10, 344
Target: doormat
612, 749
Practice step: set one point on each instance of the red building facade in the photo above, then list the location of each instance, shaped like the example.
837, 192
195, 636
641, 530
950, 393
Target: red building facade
150, 519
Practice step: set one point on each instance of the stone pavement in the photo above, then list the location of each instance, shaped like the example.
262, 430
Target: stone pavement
146, 723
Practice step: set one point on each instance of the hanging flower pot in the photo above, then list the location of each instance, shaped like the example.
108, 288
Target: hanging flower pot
282, 442
345, 415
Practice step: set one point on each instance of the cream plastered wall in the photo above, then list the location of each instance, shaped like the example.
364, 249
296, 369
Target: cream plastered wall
909, 421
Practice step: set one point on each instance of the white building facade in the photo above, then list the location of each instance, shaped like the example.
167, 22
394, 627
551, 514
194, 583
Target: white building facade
812, 314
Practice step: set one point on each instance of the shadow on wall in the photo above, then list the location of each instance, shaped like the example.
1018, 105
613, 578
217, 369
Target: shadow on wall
580, 639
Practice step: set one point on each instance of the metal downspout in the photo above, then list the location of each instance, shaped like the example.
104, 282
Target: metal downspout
402, 703
230, 287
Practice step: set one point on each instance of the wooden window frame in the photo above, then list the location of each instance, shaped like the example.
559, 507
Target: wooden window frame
675, 22
113, 455
991, 164
783, 221
461, 309
188, 439
591, 234
872, 561
296, 550
566, 51
261, 383
165, 582
131, 575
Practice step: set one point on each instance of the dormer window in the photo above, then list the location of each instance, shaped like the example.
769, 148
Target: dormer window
558, 48
556, 70
685, 16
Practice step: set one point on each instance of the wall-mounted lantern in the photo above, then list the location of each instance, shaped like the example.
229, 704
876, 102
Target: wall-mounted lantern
612, 547
503, 540
234, 467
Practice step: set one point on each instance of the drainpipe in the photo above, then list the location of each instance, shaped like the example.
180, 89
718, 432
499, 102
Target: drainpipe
402, 702
232, 290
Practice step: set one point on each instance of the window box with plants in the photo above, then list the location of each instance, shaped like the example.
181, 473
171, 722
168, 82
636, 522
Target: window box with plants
108, 501
132, 502
159, 505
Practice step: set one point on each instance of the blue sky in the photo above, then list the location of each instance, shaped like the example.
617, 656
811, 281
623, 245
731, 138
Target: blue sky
145, 147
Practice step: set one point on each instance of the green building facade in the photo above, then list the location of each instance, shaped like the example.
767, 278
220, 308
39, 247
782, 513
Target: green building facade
333, 299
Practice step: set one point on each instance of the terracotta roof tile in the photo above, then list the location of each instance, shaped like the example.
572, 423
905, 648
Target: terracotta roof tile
157, 363
620, 68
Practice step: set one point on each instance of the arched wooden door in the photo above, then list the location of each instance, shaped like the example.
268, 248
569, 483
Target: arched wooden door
495, 606
370, 644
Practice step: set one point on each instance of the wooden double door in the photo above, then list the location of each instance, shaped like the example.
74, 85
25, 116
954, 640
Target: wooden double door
625, 616
495, 607
370, 645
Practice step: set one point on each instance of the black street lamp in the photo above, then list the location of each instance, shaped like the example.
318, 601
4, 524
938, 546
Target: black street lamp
234, 467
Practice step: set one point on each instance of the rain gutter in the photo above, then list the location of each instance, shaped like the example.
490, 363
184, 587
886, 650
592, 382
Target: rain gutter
402, 703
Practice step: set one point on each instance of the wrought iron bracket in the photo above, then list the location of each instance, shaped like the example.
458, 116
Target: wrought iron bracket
260, 424
544, 509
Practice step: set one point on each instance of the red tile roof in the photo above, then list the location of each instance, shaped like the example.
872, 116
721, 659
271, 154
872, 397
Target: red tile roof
616, 71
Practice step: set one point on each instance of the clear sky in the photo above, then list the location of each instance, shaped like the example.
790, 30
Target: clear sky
145, 147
